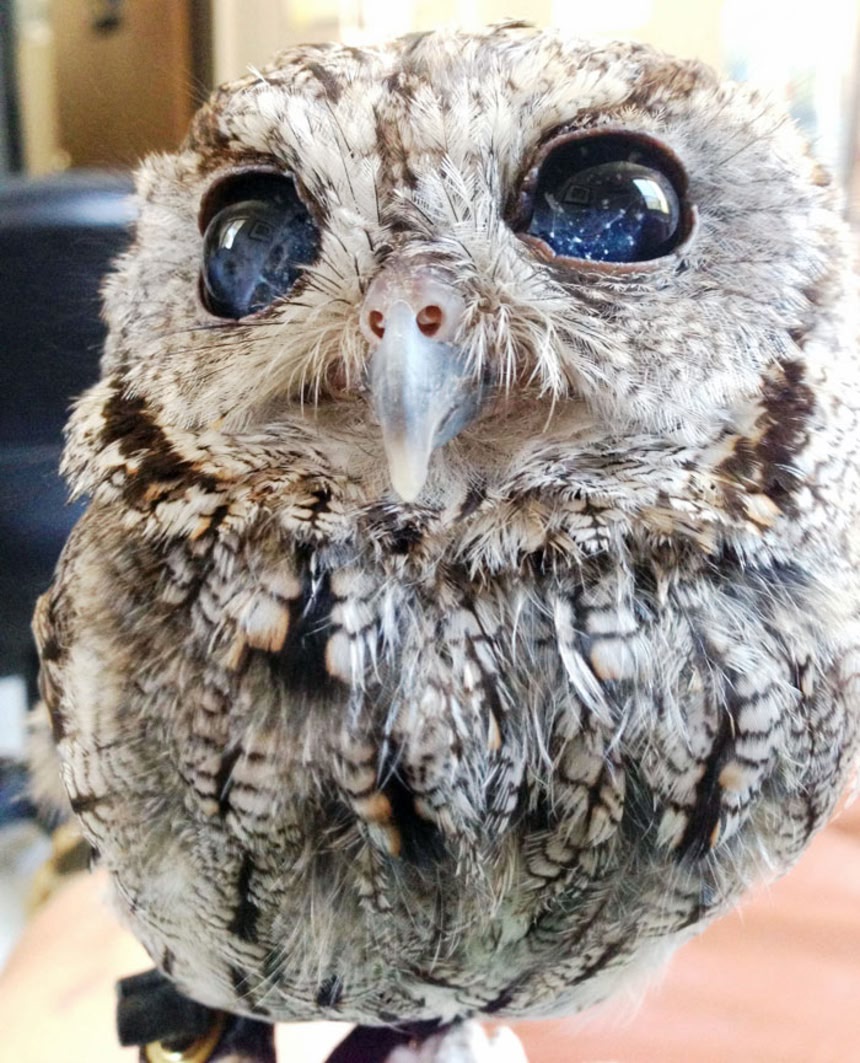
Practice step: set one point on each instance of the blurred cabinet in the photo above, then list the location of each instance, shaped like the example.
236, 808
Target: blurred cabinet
124, 77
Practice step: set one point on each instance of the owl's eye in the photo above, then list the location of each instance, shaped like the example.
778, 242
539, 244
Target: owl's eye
258, 235
608, 198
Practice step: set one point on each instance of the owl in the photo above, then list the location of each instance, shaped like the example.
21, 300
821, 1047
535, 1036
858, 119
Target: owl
466, 610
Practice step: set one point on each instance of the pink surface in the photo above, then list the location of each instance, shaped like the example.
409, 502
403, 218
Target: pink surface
776, 982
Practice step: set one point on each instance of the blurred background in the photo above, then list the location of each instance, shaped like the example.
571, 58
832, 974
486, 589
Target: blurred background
100, 82
88, 86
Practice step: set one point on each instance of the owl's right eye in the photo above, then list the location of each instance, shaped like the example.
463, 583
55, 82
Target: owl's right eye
258, 235
608, 197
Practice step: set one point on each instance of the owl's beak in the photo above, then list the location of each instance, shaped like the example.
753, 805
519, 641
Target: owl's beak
420, 388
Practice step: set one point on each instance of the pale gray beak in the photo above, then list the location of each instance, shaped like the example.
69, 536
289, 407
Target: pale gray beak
420, 388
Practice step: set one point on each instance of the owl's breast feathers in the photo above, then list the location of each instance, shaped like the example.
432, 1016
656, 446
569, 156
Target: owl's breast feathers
516, 742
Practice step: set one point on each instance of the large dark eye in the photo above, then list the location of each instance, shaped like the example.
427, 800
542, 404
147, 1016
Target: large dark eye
258, 236
608, 198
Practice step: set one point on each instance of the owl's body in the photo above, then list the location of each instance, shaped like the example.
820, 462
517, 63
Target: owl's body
498, 747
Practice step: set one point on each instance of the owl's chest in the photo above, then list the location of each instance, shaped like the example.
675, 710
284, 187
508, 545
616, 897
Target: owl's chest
291, 737
425, 713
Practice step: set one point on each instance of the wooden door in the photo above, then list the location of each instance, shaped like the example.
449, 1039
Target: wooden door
124, 77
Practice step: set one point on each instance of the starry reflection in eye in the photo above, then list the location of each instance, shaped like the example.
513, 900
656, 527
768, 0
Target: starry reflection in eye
606, 199
255, 244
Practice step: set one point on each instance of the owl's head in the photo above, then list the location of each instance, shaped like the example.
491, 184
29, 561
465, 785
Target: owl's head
441, 258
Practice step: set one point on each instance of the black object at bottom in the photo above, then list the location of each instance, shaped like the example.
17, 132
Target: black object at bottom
373, 1044
246, 1040
150, 1008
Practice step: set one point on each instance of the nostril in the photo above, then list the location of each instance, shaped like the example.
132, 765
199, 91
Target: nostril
429, 319
410, 302
376, 322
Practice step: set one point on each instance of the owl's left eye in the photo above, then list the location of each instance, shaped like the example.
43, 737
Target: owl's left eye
607, 197
258, 236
